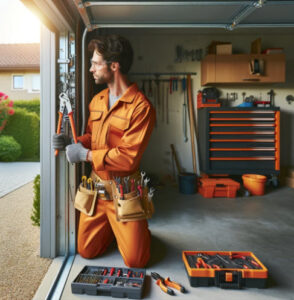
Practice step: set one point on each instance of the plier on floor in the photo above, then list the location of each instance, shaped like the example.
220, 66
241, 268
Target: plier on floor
166, 284
65, 102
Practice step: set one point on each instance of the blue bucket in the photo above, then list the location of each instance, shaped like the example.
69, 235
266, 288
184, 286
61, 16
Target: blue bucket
188, 183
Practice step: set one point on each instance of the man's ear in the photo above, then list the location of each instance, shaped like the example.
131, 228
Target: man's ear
114, 66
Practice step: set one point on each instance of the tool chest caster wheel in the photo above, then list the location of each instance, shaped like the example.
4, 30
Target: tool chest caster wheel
275, 181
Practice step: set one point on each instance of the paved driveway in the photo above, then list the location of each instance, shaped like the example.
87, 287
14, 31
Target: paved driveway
15, 174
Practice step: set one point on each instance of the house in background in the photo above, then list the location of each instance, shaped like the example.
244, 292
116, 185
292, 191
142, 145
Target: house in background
20, 71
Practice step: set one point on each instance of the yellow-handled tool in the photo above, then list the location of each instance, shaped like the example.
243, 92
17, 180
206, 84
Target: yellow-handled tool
90, 184
84, 181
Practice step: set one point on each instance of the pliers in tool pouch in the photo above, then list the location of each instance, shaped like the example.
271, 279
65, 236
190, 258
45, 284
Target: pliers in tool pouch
65, 102
166, 284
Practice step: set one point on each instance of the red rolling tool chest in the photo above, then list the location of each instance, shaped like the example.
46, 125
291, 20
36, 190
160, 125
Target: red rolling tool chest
225, 269
239, 140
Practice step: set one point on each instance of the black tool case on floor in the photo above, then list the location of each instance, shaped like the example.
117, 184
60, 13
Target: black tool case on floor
225, 269
110, 281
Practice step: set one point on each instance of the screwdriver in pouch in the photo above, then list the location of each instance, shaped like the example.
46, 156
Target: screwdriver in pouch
84, 181
132, 184
90, 184
121, 190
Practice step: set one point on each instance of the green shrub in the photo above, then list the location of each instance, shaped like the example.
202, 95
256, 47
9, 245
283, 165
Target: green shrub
35, 216
10, 149
29, 105
25, 128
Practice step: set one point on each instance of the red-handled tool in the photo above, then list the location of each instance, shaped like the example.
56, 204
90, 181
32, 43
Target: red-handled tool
201, 262
140, 190
132, 184
121, 190
111, 271
65, 102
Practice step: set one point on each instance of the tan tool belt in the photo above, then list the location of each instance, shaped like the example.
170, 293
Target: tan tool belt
85, 200
133, 207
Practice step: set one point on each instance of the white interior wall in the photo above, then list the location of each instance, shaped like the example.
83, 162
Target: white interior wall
155, 51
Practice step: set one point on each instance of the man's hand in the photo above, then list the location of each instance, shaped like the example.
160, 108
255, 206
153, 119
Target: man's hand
60, 141
76, 153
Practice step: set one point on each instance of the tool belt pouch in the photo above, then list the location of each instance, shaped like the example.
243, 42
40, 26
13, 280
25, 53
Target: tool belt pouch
85, 200
130, 208
147, 204
133, 207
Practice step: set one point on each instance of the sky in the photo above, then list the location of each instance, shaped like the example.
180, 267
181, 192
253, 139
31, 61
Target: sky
17, 23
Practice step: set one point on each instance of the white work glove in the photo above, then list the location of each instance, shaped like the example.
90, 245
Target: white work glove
76, 153
60, 141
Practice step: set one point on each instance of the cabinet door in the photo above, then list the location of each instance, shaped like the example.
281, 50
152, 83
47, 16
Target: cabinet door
208, 70
274, 68
235, 68
229, 68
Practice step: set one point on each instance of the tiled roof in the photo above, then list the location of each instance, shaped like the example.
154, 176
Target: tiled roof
19, 56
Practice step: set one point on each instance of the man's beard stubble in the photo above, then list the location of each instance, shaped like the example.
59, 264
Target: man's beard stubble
105, 78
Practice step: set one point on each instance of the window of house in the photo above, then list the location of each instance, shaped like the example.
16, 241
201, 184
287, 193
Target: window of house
36, 82
18, 82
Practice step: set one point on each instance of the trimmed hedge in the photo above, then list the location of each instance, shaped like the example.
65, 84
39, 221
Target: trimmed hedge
25, 128
29, 105
10, 149
35, 216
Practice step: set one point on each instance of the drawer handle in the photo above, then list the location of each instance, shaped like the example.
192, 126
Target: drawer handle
251, 79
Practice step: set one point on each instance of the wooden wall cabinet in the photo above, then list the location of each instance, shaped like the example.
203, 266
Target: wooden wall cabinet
235, 68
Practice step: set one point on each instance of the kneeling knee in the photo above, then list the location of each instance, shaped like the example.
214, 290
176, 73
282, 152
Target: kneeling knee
136, 261
85, 253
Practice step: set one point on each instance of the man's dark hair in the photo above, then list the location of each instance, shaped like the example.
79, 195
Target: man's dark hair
114, 48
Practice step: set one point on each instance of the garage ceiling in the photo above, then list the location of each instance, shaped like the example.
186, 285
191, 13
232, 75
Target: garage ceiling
186, 14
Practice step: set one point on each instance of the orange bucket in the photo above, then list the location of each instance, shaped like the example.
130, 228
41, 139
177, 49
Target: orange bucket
254, 183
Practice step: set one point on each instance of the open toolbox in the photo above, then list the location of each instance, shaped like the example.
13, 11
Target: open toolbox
110, 281
226, 269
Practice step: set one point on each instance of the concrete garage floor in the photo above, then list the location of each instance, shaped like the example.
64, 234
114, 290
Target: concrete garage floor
263, 225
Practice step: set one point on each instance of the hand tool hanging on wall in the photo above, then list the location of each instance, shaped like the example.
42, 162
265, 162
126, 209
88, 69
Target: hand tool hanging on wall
176, 158
143, 87
192, 122
65, 103
150, 93
289, 99
184, 110
156, 101
170, 85
167, 119
162, 102
271, 93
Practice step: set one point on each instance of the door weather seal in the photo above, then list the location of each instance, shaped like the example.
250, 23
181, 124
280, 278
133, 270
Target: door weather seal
58, 285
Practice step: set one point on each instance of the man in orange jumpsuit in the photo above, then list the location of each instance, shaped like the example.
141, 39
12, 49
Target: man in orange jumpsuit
119, 127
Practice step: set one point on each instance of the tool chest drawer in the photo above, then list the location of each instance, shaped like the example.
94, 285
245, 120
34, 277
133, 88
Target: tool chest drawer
110, 281
225, 269
239, 140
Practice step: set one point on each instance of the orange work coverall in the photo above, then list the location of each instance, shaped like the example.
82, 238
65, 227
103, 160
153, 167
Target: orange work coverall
117, 138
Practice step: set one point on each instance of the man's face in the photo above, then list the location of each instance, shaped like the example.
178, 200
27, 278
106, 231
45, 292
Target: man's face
100, 70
